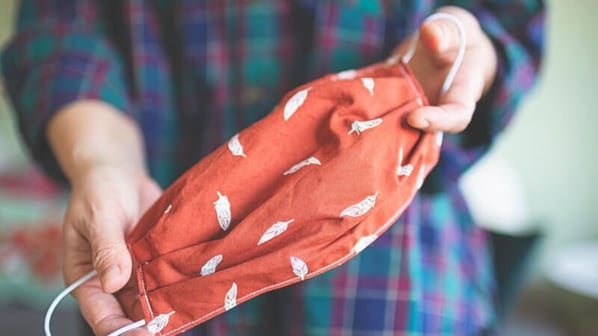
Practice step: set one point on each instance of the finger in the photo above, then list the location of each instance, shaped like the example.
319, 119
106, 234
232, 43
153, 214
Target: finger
454, 110
102, 311
76, 254
441, 37
449, 116
109, 252
452, 118
150, 192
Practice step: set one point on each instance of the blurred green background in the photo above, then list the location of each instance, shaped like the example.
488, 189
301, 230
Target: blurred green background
553, 142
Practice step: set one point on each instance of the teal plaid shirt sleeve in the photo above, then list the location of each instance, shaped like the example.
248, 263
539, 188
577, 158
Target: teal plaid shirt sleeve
58, 55
516, 28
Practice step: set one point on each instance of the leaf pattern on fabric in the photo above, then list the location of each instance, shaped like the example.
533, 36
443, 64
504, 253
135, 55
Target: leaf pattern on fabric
360, 126
160, 322
235, 147
210, 266
360, 208
299, 267
363, 242
275, 230
295, 103
347, 74
222, 206
405, 170
369, 84
401, 156
438, 137
312, 160
230, 299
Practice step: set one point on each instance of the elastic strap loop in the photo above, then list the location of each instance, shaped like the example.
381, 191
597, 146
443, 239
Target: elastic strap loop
450, 77
66, 292
61, 296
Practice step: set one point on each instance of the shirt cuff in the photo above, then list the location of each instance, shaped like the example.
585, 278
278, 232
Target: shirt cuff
44, 71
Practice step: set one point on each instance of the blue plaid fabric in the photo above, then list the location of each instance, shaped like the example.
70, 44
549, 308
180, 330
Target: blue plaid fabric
193, 73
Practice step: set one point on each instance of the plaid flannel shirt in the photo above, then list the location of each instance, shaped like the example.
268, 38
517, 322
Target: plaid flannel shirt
193, 73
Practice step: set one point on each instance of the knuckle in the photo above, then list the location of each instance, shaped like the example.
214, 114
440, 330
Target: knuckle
105, 253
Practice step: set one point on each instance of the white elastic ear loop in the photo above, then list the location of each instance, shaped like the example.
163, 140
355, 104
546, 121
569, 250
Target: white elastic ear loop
61, 296
66, 292
450, 77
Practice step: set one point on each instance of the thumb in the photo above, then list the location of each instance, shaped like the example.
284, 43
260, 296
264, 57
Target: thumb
441, 37
110, 255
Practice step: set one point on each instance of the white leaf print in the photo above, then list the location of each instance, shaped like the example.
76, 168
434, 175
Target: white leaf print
347, 74
420, 176
363, 242
295, 103
299, 267
235, 147
360, 208
312, 160
360, 126
275, 230
405, 170
160, 322
369, 84
230, 300
210, 266
222, 206
439, 137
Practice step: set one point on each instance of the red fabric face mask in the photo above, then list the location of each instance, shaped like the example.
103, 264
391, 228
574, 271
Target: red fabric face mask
295, 195
298, 193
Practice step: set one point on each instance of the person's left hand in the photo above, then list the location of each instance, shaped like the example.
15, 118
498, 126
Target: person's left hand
436, 50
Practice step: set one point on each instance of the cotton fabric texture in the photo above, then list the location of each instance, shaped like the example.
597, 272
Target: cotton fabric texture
193, 73
295, 195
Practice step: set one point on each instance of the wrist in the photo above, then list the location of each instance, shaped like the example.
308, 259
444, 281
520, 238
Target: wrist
107, 174
90, 158
89, 135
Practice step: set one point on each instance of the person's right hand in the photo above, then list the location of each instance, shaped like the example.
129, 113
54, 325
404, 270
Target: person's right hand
105, 204
101, 152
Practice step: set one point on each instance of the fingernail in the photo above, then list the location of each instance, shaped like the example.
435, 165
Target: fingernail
424, 123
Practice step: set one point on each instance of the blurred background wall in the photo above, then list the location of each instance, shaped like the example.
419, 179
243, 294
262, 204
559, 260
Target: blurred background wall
551, 148
11, 152
553, 143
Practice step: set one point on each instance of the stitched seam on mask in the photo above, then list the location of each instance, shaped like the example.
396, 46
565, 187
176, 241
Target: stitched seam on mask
281, 284
145, 294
